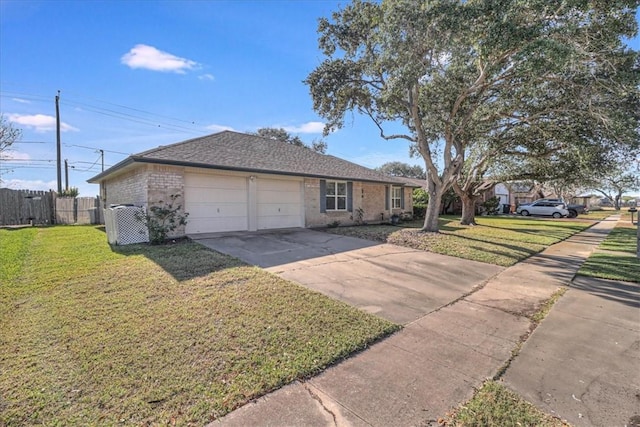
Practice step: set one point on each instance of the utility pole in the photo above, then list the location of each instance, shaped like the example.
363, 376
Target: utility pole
59, 163
66, 175
102, 156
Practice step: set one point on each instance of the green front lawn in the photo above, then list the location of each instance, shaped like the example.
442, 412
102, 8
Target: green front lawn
140, 335
500, 240
616, 257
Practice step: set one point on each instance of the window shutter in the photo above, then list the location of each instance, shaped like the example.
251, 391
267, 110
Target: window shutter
386, 197
402, 198
323, 195
350, 196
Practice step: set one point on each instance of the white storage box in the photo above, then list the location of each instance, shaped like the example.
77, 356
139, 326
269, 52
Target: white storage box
124, 225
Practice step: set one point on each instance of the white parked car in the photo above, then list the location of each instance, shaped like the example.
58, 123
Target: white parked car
544, 208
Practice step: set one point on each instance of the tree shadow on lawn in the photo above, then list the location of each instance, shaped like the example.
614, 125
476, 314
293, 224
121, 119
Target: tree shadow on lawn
623, 292
184, 259
511, 252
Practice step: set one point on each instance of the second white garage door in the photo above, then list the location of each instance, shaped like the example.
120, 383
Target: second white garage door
279, 203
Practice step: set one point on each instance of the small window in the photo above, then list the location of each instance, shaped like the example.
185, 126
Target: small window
336, 196
396, 197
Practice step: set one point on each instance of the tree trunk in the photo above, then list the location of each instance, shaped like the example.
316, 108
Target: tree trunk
468, 209
433, 207
617, 201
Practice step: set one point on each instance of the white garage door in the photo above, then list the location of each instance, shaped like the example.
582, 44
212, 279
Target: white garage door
279, 203
215, 203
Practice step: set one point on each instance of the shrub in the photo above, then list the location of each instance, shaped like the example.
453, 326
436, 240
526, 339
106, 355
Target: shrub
359, 216
419, 211
491, 206
163, 218
71, 192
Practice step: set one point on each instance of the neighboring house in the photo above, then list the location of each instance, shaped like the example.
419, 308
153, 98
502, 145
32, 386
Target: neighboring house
232, 181
515, 193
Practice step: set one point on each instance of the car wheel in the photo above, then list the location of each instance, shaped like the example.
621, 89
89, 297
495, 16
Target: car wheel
557, 215
524, 213
573, 213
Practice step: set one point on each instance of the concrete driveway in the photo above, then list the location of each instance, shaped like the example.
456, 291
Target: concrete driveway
393, 282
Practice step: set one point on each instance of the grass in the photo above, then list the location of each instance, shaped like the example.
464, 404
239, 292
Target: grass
495, 405
597, 215
615, 258
146, 335
502, 240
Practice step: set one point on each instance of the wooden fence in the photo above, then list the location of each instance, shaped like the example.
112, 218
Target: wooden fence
18, 207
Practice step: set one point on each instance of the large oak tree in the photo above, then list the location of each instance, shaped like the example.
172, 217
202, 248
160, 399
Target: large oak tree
470, 81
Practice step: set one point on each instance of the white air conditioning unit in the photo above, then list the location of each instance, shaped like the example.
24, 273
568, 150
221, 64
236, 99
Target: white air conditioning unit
125, 225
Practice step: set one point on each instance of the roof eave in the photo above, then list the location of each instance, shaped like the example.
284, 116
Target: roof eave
126, 162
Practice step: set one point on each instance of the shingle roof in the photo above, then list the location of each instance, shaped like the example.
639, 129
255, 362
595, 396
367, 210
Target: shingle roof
238, 151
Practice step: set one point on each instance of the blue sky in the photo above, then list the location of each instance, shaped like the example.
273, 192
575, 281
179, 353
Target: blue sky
137, 74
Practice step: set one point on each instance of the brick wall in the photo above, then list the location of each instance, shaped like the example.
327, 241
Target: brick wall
368, 196
162, 183
144, 186
373, 203
127, 188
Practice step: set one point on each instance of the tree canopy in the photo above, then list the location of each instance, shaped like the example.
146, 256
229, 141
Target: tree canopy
479, 80
402, 169
279, 134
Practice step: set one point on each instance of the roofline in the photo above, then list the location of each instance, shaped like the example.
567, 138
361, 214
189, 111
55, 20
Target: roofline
126, 162
137, 159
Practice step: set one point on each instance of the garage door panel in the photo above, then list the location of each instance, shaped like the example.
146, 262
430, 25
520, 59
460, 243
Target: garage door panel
212, 225
278, 209
280, 197
217, 195
267, 222
278, 185
215, 203
203, 210
215, 181
279, 204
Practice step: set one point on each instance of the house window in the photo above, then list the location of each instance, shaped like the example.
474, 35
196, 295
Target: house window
396, 197
336, 196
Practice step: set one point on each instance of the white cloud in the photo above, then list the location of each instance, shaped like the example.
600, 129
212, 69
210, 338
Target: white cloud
219, 128
14, 155
150, 58
207, 77
39, 122
21, 101
34, 185
309, 127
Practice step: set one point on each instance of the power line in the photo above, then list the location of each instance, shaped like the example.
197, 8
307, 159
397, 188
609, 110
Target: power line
117, 114
96, 149
25, 96
92, 165
142, 111
26, 160
130, 117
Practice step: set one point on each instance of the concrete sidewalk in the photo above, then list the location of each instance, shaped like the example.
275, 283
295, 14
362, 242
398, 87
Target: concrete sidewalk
582, 363
434, 363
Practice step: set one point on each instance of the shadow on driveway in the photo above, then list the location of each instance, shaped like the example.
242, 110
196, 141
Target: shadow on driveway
397, 283
277, 247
